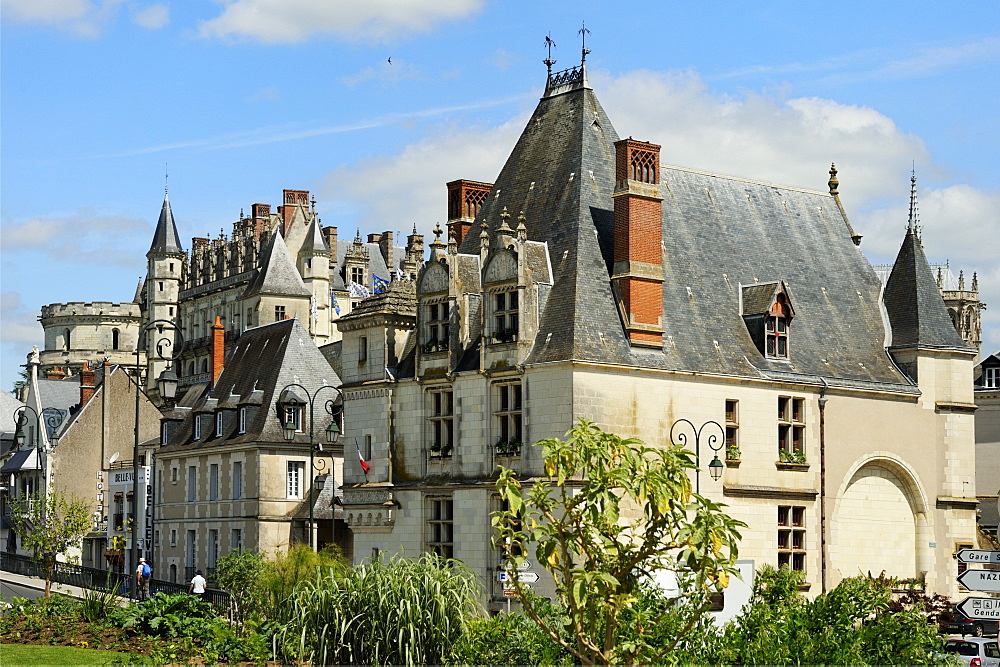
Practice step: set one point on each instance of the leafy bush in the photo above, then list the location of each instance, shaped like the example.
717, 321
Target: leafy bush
511, 639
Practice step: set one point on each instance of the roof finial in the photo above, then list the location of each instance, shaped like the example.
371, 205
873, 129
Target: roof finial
166, 176
583, 36
833, 182
550, 61
911, 225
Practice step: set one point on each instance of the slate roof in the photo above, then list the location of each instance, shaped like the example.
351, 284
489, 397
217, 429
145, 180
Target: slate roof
719, 233
913, 301
277, 273
376, 263
165, 238
264, 360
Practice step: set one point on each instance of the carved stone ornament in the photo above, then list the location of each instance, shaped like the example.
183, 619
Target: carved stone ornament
435, 279
502, 268
33, 356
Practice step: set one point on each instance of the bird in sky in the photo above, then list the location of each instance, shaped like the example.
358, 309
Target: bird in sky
390, 60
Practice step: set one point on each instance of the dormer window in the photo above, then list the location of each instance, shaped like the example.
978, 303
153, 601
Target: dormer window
767, 312
242, 424
506, 317
218, 424
437, 329
197, 428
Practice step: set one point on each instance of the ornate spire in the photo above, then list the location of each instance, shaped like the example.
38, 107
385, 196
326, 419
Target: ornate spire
583, 37
912, 224
522, 231
833, 182
961, 281
975, 282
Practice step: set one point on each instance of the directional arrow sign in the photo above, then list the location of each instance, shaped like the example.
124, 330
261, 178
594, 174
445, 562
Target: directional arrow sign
532, 577
980, 608
987, 581
979, 556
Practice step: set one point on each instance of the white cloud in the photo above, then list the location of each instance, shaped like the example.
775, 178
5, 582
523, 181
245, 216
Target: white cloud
18, 324
85, 18
81, 239
292, 21
152, 17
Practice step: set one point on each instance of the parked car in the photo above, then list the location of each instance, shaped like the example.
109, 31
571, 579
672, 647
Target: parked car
975, 651
954, 622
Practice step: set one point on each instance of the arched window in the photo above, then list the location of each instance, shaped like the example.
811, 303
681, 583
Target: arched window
204, 365
66, 339
115, 339
191, 368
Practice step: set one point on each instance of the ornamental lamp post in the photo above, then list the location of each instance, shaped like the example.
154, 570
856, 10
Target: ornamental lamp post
166, 385
53, 418
290, 412
680, 437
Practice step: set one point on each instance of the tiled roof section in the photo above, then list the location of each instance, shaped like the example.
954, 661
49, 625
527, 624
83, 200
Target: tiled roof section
314, 242
277, 273
718, 232
537, 258
165, 238
376, 263
917, 314
400, 298
264, 361
757, 299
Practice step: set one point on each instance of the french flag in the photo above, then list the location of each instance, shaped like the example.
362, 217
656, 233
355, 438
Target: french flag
364, 464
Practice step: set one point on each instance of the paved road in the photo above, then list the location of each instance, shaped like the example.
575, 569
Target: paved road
9, 589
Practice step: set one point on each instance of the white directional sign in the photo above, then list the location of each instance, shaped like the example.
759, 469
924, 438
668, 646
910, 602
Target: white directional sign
531, 577
987, 581
980, 608
979, 556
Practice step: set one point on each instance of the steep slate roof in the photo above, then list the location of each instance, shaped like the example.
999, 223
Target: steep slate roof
376, 263
264, 360
314, 242
165, 239
913, 301
718, 232
277, 273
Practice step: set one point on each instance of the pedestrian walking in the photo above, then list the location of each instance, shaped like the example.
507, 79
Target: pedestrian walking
197, 586
143, 573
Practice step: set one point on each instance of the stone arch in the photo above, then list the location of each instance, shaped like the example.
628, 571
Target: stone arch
881, 520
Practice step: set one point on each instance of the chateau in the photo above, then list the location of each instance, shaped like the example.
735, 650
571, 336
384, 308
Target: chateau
590, 280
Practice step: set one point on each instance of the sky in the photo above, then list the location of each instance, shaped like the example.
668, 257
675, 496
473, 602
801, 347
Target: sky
373, 106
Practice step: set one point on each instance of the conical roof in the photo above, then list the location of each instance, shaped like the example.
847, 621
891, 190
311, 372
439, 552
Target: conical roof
314, 243
916, 309
277, 274
165, 239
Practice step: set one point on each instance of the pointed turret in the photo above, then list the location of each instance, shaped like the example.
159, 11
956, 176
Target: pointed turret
277, 291
165, 238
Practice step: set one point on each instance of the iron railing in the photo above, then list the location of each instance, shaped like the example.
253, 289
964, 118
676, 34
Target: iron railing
97, 579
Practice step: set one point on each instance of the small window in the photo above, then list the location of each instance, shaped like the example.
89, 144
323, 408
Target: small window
197, 427
173, 538
164, 433
279, 313
792, 537
440, 527
295, 470
160, 285
242, 425
362, 349
218, 424
192, 484
237, 480
506, 318
115, 339
358, 275
293, 414
732, 430
173, 475
442, 421
236, 539
791, 429
213, 481
991, 377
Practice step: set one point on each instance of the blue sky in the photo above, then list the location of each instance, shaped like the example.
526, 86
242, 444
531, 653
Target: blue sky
238, 99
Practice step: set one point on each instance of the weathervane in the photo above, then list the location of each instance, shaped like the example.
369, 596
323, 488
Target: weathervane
583, 36
549, 44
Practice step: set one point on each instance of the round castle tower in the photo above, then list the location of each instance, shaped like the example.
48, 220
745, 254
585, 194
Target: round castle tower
91, 332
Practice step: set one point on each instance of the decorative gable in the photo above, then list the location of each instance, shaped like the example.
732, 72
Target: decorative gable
767, 311
434, 280
502, 267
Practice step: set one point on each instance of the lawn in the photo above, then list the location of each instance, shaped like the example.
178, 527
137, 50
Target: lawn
27, 654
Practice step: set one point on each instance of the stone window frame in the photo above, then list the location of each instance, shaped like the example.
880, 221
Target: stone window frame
508, 415
732, 415
504, 315
295, 480
791, 429
236, 492
213, 481
440, 525
441, 420
792, 537
241, 423
991, 377
437, 326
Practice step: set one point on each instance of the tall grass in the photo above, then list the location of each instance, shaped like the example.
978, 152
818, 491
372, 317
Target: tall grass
402, 611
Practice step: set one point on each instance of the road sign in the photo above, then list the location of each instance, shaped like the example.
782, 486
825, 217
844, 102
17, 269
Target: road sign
987, 581
531, 577
509, 593
980, 608
978, 556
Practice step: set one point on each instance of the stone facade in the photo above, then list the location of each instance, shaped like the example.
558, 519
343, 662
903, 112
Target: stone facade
91, 332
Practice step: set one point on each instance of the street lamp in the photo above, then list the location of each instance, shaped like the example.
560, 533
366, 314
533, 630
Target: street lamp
290, 404
680, 437
166, 385
53, 418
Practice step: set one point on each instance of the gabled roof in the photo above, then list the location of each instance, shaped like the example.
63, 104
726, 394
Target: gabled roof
277, 274
264, 360
917, 314
718, 232
314, 242
165, 238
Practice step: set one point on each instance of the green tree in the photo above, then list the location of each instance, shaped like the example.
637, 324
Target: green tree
50, 526
609, 513
241, 574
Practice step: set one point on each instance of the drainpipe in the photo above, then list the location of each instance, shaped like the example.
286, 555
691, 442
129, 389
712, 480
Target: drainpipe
822, 484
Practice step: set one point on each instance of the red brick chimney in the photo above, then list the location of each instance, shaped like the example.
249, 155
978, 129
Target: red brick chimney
638, 268
87, 387
330, 233
218, 349
465, 198
55, 373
